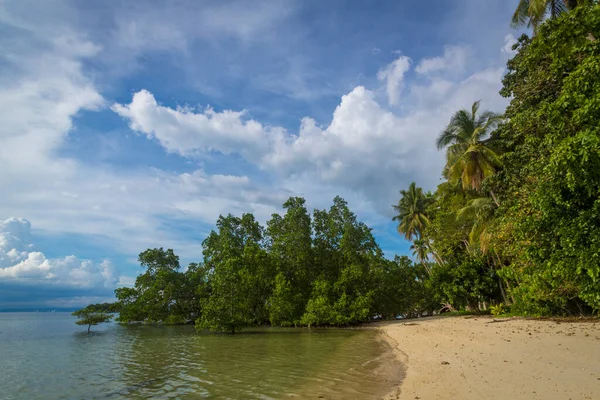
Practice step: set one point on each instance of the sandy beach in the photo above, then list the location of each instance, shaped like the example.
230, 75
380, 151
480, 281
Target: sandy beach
479, 357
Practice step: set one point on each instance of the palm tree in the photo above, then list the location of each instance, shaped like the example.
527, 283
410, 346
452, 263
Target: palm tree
420, 248
470, 157
531, 13
480, 211
411, 211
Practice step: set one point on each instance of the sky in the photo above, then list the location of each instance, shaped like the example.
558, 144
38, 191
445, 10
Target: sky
132, 125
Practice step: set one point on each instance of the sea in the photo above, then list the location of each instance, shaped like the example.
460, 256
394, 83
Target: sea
45, 355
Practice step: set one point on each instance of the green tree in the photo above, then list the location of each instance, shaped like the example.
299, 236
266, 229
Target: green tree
347, 259
470, 155
233, 255
290, 248
411, 212
403, 289
420, 249
465, 281
531, 13
91, 317
552, 157
160, 294
466, 276
480, 212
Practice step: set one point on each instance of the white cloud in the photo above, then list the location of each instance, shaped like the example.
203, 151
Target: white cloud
509, 41
453, 61
393, 75
187, 132
19, 262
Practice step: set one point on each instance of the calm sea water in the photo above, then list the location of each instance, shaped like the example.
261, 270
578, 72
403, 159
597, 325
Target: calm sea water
47, 356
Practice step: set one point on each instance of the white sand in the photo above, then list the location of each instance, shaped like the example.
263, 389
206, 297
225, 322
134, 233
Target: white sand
478, 358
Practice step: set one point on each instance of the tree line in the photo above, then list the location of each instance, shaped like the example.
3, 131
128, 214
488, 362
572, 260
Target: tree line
299, 270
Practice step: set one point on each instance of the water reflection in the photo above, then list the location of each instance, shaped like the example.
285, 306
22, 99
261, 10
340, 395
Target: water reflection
138, 362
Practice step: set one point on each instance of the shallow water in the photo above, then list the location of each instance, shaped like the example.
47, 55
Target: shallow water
47, 356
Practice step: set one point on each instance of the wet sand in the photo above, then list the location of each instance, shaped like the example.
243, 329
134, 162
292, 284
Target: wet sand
485, 358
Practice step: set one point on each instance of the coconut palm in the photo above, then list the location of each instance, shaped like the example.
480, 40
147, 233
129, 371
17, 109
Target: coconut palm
480, 211
411, 211
420, 249
531, 13
470, 156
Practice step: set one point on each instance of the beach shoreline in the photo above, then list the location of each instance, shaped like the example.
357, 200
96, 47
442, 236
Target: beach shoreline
479, 357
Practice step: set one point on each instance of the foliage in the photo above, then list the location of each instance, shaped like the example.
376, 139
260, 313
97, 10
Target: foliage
411, 211
470, 155
523, 226
532, 12
105, 307
303, 269
291, 250
552, 152
497, 310
233, 255
404, 289
161, 293
91, 317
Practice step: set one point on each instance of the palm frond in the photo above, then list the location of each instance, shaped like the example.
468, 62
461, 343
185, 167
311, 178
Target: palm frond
521, 15
474, 109
446, 138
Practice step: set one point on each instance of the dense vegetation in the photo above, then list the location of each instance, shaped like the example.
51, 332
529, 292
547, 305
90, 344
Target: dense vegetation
517, 219
514, 225
324, 269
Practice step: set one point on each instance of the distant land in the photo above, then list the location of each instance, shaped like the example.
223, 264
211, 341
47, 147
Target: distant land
39, 309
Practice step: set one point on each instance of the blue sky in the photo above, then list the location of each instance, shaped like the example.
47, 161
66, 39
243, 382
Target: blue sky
130, 125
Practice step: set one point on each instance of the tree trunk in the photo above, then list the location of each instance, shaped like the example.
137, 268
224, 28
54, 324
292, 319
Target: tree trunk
89, 327
494, 198
438, 260
502, 292
426, 268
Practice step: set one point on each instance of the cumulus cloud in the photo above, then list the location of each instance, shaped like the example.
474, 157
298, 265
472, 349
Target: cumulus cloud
185, 131
453, 61
393, 76
363, 148
19, 262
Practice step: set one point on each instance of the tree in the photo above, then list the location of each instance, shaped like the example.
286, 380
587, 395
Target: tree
470, 155
479, 211
347, 259
531, 13
161, 293
411, 211
551, 153
403, 289
290, 246
420, 249
233, 255
91, 317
